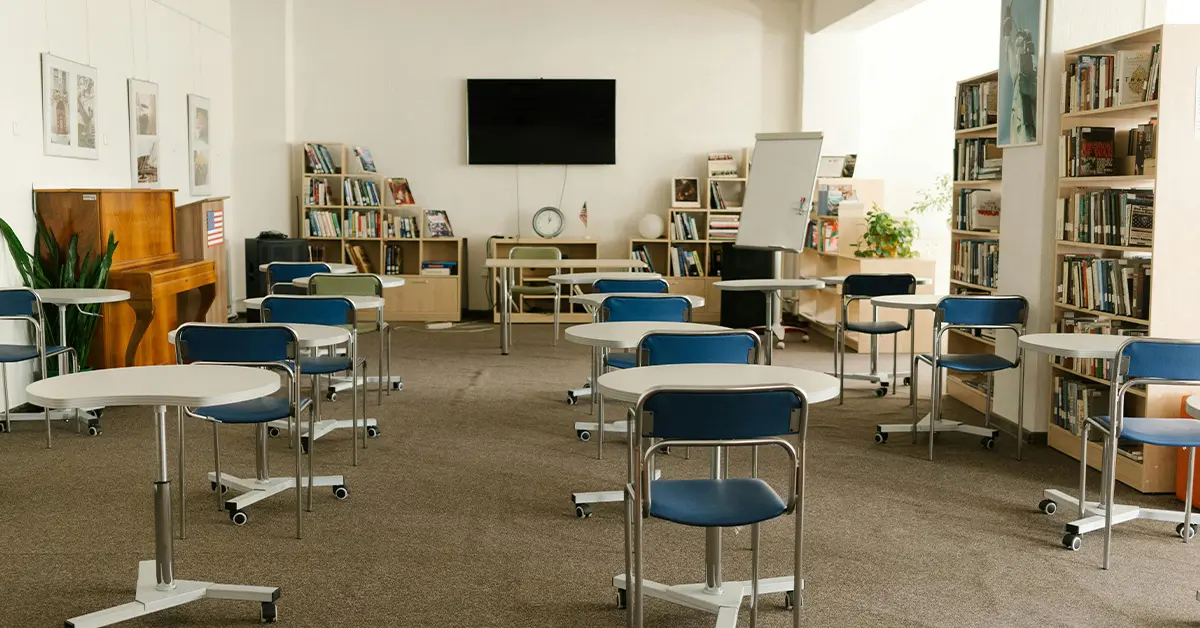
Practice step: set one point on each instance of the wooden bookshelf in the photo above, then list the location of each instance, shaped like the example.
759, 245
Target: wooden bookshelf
424, 297
1175, 237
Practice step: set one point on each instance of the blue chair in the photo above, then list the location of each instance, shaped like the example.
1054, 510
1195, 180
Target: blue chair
1140, 362
970, 313
641, 309
865, 287
720, 419
657, 286
281, 274
23, 304
334, 311
273, 347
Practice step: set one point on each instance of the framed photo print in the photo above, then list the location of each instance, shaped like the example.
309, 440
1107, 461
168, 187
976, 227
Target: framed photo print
1022, 39
685, 192
199, 153
68, 108
143, 133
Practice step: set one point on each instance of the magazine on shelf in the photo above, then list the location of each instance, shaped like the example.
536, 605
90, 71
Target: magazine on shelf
437, 224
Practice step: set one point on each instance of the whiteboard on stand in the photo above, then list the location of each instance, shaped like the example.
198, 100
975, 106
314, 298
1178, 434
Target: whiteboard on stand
779, 191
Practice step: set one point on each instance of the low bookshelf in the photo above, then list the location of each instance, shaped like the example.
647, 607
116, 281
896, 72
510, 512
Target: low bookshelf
540, 308
1125, 235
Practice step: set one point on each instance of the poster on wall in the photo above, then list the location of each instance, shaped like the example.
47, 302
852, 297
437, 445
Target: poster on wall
143, 133
199, 154
1022, 38
68, 108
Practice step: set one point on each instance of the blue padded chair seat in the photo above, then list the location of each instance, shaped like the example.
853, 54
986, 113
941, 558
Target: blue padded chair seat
622, 360
1173, 432
254, 411
876, 327
324, 364
971, 362
20, 353
719, 503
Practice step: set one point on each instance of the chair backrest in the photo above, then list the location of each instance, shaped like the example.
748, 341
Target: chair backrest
233, 344
646, 309
878, 285
281, 274
735, 346
314, 310
982, 311
1158, 359
20, 303
722, 414
631, 285
356, 284
534, 252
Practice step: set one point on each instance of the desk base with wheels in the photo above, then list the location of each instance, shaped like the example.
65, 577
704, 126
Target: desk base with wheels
724, 602
254, 490
89, 417
943, 425
323, 428
1092, 516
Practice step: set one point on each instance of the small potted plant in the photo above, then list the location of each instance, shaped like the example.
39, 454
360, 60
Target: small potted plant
886, 236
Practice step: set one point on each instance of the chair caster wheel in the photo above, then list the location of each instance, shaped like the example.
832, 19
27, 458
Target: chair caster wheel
372, 431
331, 396
881, 391
988, 442
583, 511
583, 435
304, 445
273, 432
269, 613
213, 486
1072, 542
881, 437
1191, 532
93, 430
908, 381
239, 517
341, 492
1048, 506
805, 338
789, 600
588, 385
621, 602
572, 399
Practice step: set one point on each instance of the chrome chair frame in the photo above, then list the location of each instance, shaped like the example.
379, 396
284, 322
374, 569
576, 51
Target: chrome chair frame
512, 283
39, 336
840, 330
272, 284
385, 339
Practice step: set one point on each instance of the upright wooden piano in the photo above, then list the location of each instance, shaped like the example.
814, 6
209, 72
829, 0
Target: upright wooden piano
146, 263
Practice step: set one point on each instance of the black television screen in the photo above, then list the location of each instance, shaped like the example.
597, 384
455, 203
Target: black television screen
541, 121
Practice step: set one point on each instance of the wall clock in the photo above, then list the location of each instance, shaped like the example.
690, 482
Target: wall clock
548, 222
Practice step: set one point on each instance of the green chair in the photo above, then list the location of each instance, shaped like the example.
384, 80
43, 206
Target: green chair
525, 290
361, 285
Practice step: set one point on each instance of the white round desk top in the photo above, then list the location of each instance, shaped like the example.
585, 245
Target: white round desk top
594, 299
1102, 346
337, 269
1193, 406
81, 296
629, 384
627, 335
387, 281
837, 280
576, 279
909, 301
309, 335
169, 385
767, 285
360, 302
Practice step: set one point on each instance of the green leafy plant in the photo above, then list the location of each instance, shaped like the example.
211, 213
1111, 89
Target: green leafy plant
935, 200
50, 267
886, 236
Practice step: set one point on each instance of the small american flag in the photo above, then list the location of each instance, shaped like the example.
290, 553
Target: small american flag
215, 219
583, 214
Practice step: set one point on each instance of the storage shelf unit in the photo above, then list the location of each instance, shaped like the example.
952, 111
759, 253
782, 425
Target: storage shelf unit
1175, 239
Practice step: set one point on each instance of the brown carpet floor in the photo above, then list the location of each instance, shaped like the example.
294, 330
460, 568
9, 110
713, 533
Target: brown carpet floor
459, 515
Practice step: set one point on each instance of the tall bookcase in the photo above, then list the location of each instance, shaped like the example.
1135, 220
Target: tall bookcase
1169, 171
424, 297
974, 220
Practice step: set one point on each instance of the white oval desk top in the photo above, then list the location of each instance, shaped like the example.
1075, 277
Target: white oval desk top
576, 279
81, 296
629, 384
504, 262
762, 285
360, 302
170, 385
627, 335
1193, 406
837, 280
309, 335
909, 301
594, 299
1101, 346
337, 269
387, 281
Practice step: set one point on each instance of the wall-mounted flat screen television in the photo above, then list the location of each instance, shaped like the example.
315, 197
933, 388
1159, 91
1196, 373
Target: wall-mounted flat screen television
541, 121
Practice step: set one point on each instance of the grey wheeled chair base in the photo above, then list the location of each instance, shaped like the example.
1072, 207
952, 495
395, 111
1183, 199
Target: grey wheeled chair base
724, 602
89, 418
989, 434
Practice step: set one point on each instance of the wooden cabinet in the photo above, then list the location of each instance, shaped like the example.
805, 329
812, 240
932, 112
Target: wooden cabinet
191, 231
423, 298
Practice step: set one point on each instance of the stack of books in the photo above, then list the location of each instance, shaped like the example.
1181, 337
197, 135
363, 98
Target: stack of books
977, 210
977, 105
319, 160
976, 261
322, 224
403, 227
723, 227
683, 227
316, 192
1110, 217
1086, 151
1116, 286
362, 225
977, 159
360, 192
685, 262
439, 268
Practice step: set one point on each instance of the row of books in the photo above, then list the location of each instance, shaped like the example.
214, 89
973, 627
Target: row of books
403, 227
723, 227
1110, 217
316, 253
716, 199
684, 262
641, 254
358, 257
360, 192
977, 105
977, 210
683, 227
722, 165
361, 225
393, 259
1117, 286
323, 224
1100, 81
977, 159
1086, 151
439, 268
1079, 323
976, 261
319, 160
316, 192
1074, 400
830, 197
822, 236
1142, 144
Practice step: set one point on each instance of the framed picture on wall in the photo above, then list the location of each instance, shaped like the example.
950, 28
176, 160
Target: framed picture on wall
1022, 39
68, 108
199, 152
143, 133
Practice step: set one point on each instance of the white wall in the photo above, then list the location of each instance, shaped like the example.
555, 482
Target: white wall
693, 76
